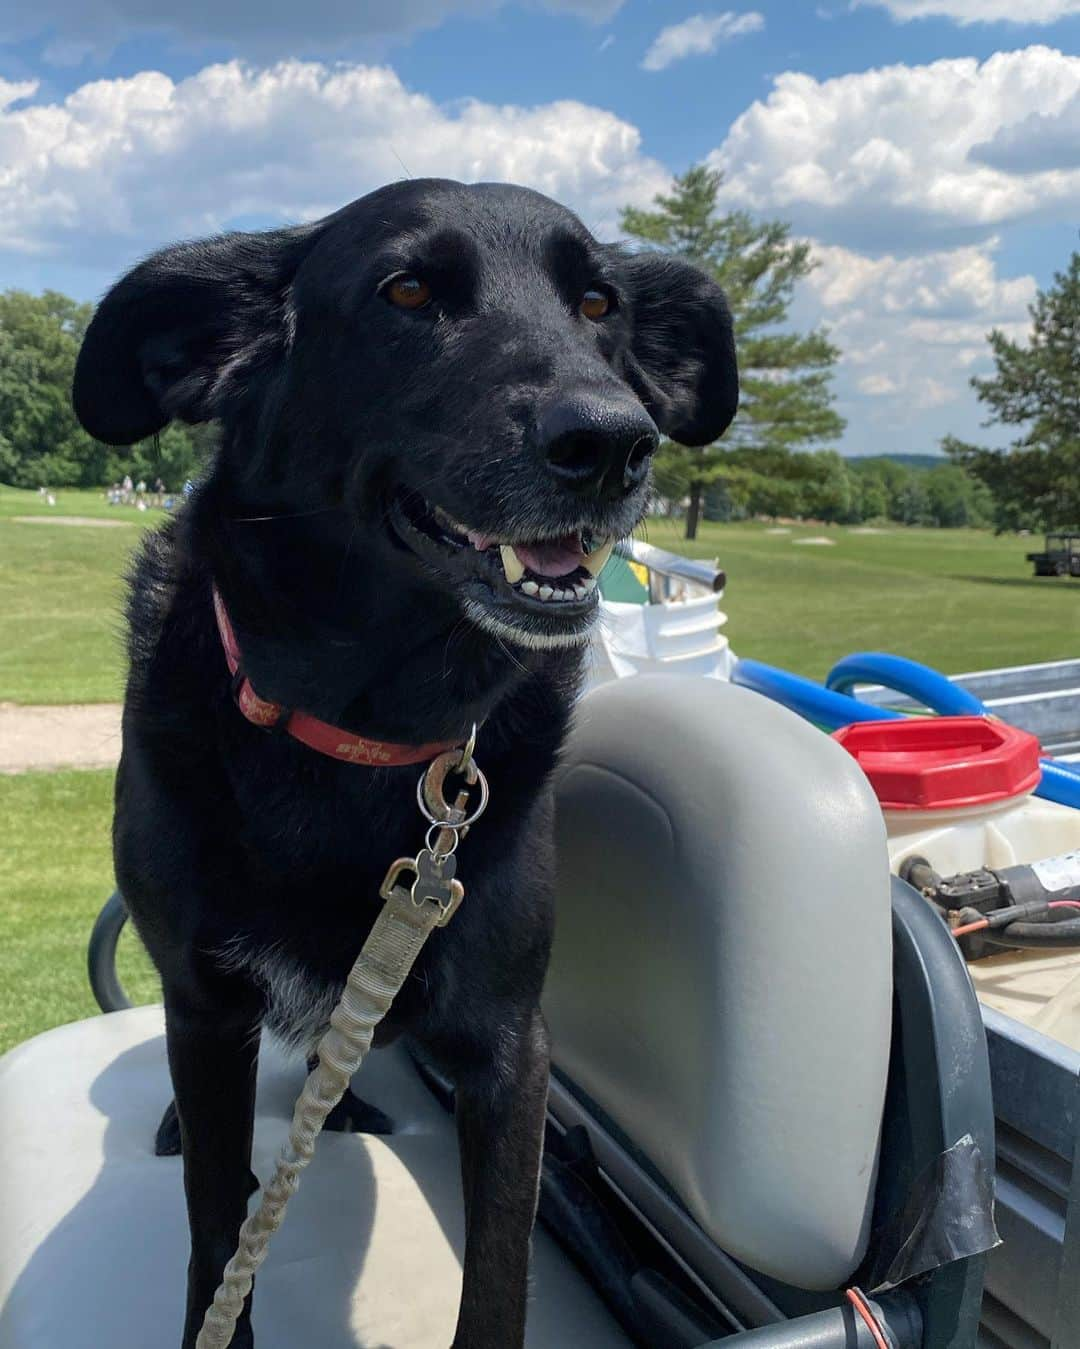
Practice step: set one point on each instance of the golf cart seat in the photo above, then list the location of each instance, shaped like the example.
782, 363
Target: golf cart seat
769, 1082
93, 1238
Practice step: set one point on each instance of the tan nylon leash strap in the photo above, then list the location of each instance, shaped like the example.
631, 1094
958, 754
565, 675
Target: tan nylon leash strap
377, 976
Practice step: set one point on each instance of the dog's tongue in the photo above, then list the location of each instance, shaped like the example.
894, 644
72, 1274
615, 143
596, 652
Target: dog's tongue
553, 557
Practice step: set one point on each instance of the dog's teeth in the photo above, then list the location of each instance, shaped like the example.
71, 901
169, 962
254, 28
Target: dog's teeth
529, 587
597, 559
546, 592
512, 564
580, 591
588, 584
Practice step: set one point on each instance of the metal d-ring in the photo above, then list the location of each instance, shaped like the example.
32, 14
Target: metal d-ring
469, 748
434, 837
479, 780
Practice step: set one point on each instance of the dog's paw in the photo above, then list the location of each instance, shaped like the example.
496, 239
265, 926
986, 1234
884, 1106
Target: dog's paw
167, 1138
351, 1115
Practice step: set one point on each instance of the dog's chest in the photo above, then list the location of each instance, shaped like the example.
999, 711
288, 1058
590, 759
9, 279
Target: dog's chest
298, 997
320, 846
296, 951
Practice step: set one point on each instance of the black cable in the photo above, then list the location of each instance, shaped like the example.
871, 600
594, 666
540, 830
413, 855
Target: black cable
1034, 936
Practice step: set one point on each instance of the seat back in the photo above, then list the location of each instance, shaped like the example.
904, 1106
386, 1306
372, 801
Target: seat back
721, 981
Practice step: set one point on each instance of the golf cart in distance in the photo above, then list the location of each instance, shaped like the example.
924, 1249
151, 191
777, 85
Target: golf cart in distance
1060, 557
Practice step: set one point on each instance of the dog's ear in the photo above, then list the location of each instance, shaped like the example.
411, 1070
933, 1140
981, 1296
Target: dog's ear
174, 336
682, 363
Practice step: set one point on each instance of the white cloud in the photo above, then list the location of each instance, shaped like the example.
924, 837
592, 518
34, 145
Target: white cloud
895, 158
123, 165
15, 91
911, 330
1041, 142
79, 29
697, 36
977, 11
876, 386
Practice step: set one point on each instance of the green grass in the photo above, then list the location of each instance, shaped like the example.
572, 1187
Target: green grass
61, 592
55, 873
956, 599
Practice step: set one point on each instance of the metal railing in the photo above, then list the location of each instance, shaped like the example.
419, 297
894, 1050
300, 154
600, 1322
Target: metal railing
669, 571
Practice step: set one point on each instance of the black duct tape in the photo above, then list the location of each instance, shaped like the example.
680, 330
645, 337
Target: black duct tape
948, 1215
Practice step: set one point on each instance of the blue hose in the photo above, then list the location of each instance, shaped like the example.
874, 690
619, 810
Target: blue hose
810, 700
831, 709
917, 681
1060, 783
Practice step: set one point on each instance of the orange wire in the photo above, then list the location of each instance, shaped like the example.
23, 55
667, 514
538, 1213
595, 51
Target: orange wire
858, 1302
984, 923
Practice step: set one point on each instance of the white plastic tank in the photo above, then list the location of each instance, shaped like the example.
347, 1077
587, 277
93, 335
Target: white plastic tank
958, 791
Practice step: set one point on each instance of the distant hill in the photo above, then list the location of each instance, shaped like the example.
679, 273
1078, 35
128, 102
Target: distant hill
908, 460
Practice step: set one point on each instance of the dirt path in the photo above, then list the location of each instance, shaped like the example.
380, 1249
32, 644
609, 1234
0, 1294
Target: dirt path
86, 736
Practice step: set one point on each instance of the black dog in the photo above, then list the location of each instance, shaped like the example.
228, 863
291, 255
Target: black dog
438, 406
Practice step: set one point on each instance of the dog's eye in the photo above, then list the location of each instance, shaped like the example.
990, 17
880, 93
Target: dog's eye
408, 292
595, 304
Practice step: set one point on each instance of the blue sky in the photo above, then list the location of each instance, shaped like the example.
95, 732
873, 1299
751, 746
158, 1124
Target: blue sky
928, 148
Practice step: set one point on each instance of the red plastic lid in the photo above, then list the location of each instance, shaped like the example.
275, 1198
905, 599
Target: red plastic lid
942, 763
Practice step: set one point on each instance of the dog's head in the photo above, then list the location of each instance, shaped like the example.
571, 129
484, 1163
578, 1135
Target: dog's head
463, 369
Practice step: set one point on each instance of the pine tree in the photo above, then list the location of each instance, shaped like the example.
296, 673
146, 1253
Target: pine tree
786, 399
1035, 481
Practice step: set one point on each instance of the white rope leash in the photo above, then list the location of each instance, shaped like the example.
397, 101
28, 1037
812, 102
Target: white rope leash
396, 939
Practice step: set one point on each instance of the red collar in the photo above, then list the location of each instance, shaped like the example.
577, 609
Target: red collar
309, 730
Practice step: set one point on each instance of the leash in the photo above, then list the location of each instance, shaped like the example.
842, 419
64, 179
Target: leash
408, 917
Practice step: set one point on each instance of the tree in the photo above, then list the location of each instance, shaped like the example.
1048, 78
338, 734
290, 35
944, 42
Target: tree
1035, 482
911, 505
954, 498
786, 399
827, 491
39, 340
870, 494
41, 442
180, 452
774, 497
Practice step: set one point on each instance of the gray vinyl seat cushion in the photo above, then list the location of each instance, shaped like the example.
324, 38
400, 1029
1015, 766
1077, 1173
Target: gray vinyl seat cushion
93, 1235
720, 988
721, 983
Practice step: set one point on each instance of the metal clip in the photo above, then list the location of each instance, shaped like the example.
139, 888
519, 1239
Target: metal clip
430, 797
434, 884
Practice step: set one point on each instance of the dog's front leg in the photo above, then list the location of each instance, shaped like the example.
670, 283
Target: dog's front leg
500, 1116
213, 1059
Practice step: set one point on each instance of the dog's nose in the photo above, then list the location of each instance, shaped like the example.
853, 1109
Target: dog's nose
597, 446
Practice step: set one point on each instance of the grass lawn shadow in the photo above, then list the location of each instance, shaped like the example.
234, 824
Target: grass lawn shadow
1016, 582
